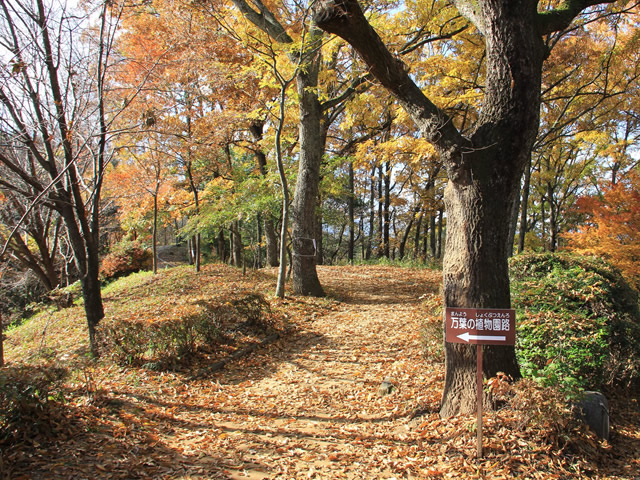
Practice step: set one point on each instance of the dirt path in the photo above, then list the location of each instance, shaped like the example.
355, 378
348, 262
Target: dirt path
306, 407
311, 406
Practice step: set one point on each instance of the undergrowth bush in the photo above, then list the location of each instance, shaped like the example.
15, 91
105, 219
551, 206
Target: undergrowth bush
181, 329
27, 394
124, 258
578, 321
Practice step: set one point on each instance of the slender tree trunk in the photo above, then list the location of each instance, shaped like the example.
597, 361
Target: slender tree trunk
319, 234
351, 209
425, 238
196, 239
514, 223
405, 236
1, 349
432, 235
237, 246
197, 253
524, 207
440, 230
380, 233
259, 240
416, 240
221, 246
372, 214
543, 222
282, 270
337, 250
386, 240
553, 219
271, 238
154, 233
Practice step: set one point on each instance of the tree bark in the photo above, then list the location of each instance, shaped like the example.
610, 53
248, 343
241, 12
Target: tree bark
484, 168
312, 141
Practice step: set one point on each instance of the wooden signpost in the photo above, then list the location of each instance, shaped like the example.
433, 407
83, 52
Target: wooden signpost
480, 326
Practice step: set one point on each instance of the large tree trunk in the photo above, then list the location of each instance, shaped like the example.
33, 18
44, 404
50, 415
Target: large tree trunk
485, 168
86, 256
312, 143
476, 274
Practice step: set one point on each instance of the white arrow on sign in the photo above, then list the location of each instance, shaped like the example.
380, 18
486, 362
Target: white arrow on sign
466, 336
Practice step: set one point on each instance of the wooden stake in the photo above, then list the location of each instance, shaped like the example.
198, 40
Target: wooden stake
479, 392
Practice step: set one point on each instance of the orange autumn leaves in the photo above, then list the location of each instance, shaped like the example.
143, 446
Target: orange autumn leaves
612, 226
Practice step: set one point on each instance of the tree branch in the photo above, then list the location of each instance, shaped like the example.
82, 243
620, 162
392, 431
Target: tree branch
346, 19
264, 20
470, 9
561, 17
349, 91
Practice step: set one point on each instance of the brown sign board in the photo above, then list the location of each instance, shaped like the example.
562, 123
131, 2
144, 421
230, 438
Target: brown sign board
480, 326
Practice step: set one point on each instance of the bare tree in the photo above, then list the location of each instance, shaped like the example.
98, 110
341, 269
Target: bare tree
52, 98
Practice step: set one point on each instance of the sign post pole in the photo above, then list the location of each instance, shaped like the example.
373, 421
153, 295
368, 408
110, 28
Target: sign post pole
480, 326
479, 389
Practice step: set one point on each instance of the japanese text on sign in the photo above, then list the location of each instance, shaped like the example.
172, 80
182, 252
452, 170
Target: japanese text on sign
480, 326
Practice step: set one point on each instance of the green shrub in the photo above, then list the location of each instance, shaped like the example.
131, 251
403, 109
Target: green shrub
124, 258
577, 321
182, 329
26, 397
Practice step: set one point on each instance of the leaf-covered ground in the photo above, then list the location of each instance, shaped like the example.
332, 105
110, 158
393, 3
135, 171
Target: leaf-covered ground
304, 406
